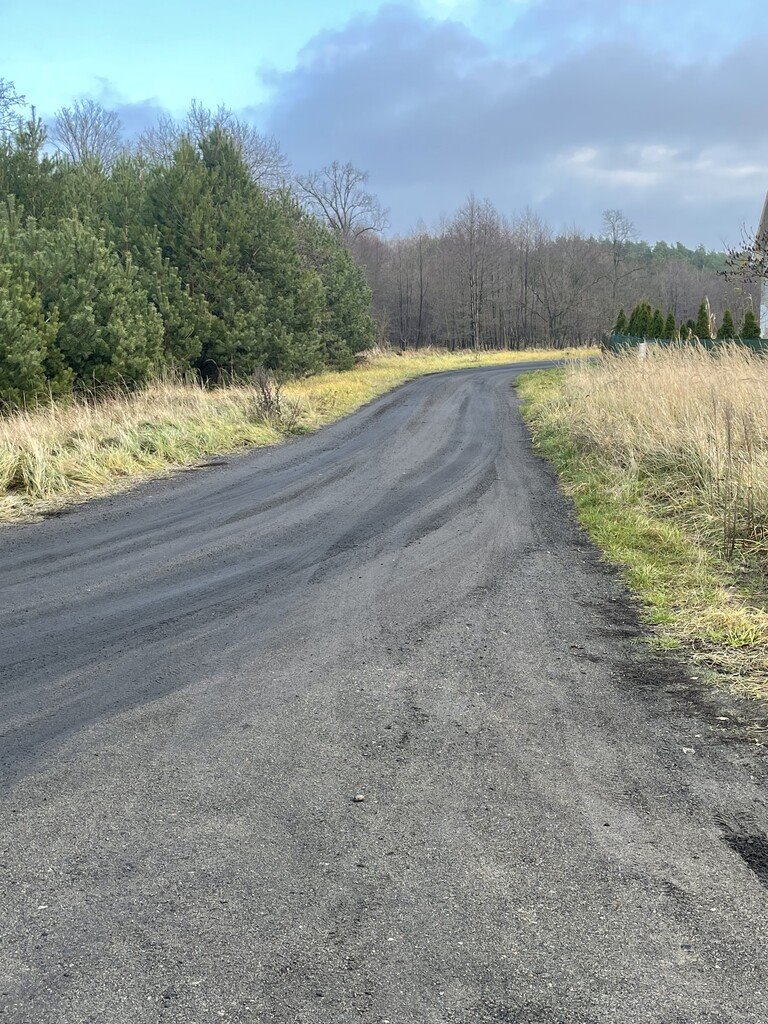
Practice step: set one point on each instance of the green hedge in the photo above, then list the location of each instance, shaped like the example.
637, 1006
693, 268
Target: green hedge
618, 342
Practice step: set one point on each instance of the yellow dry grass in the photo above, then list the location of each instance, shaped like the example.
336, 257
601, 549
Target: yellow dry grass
69, 451
667, 460
692, 423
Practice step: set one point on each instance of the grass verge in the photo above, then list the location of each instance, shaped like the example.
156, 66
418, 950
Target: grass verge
699, 593
68, 452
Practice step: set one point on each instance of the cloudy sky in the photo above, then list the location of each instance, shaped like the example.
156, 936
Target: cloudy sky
657, 107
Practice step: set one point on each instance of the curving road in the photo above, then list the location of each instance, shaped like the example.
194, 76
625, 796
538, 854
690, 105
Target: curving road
198, 678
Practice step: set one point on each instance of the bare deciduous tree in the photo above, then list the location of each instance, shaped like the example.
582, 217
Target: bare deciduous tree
338, 194
480, 280
10, 101
474, 234
86, 131
619, 230
410, 258
750, 265
266, 162
750, 261
157, 143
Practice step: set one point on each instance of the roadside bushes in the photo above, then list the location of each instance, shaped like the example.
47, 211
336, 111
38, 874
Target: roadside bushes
99, 323
186, 262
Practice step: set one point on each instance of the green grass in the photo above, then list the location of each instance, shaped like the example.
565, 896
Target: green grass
692, 597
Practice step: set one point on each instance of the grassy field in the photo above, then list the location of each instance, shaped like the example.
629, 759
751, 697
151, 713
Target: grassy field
70, 451
667, 462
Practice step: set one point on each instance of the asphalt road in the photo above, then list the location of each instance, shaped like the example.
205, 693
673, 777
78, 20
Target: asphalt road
198, 678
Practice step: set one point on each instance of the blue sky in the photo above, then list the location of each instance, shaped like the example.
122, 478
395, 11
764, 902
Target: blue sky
567, 106
162, 51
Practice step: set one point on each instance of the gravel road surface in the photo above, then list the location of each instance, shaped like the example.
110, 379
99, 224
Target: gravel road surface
200, 677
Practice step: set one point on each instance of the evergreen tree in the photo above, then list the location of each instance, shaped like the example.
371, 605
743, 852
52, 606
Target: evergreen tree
186, 319
110, 270
621, 323
107, 329
26, 172
82, 191
670, 328
657, 325
726, 330
26, 339
751, 327
346, 326
632, 324
239, 250
644, 320
702, 328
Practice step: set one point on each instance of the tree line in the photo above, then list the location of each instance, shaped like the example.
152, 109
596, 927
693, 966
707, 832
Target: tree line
195, 247
485, 280
187, 250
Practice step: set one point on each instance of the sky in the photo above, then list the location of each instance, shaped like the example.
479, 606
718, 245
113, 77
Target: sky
568, 107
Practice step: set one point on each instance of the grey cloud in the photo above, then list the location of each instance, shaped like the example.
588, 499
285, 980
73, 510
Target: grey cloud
134, 116
694, 29
433, 113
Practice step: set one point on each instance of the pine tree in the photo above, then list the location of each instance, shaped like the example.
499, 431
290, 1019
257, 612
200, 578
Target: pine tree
28, 173
239, 250
186, 319
670, 328
184, 261
632, 324
702, 328
108, 331
657, 325
346, 325
621, 323
726, 330
26, 337
644, 320
751, 327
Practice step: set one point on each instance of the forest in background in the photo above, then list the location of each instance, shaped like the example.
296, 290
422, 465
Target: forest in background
196, 247
485, 280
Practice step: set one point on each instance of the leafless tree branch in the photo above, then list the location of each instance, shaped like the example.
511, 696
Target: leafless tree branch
266, 162
86, 131
337, 193
10, 101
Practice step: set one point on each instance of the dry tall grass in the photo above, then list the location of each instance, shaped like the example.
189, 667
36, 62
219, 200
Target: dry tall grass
691, 424
70, 451
667, 460
73, 450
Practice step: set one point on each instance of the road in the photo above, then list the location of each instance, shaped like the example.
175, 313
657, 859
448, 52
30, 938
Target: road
198, 678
